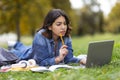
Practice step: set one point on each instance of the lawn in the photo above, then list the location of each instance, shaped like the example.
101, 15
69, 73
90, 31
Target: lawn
80, 45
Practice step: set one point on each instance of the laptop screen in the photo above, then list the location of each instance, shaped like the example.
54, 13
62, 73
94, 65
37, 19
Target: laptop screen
99, 53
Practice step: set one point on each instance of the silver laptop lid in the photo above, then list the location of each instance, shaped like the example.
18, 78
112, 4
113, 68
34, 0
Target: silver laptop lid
99, 53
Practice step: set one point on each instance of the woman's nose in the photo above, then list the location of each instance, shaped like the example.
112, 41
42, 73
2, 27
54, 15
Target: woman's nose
63, 26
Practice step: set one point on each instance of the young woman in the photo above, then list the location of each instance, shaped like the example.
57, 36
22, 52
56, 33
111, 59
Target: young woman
48, 48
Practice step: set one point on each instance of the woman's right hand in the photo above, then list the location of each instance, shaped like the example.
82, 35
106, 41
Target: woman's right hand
62, 53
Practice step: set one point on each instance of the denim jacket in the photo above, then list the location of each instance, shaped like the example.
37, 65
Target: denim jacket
43, 50
45, 53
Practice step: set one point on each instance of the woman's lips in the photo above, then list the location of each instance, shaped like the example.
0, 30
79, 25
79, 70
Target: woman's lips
63, 33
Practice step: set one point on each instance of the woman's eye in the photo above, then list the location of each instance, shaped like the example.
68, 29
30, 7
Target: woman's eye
58, 24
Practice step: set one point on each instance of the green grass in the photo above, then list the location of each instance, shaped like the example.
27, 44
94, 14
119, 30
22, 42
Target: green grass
80, 45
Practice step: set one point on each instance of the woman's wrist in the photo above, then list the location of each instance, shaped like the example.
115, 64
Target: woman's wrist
58, 59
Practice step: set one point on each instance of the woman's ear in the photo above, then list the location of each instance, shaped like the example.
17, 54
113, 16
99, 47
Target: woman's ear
50, 28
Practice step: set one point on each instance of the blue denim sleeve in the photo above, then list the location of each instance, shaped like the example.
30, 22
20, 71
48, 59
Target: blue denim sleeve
70, 58
41, 51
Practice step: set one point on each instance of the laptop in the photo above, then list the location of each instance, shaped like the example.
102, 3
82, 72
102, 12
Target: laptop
99, 53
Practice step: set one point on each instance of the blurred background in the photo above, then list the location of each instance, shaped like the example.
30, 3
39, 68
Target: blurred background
88, 17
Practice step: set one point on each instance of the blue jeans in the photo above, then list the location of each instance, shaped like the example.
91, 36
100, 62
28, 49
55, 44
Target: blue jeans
21, 51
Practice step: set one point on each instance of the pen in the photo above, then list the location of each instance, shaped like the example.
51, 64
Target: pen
62, 39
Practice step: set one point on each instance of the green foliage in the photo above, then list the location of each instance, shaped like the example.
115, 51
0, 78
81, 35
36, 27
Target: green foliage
27, 15
24, 14
115, 12
113, 21
62, 4
80, 44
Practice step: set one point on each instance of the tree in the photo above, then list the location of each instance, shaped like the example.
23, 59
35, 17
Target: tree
113, 24
91, 18
13, 12
22, 16
25, 16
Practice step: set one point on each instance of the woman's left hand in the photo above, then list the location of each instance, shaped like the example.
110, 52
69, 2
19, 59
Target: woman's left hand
83, 61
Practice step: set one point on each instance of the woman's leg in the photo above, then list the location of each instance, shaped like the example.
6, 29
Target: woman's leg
21, 50
19, 46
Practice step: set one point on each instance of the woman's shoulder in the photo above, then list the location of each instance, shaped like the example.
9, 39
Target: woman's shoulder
40, 31
39, 38
39, 35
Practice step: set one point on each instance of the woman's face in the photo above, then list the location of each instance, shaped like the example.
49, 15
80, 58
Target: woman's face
58, 27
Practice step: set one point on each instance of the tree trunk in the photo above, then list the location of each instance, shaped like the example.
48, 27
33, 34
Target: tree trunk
17, 19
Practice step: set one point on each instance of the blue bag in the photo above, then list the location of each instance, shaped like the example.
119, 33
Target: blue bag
6, 57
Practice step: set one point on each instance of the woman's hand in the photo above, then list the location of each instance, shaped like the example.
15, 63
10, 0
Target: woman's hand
62, 53
83, 61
